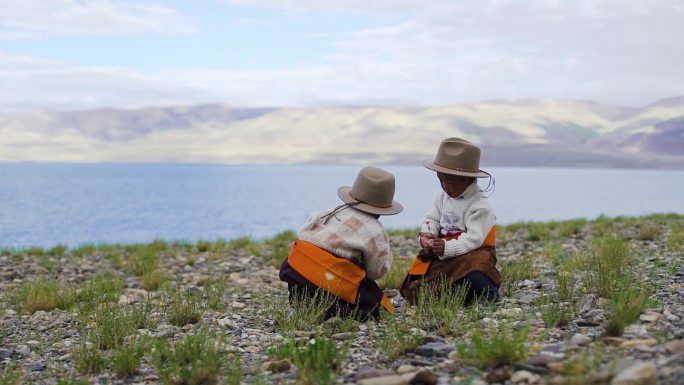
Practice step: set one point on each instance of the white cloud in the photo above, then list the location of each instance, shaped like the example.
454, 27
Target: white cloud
95, 17
438, 52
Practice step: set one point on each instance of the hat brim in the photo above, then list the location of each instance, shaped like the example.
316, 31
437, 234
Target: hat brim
344, 194
430, 164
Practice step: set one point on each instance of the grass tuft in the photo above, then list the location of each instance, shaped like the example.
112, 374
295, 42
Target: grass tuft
303, 312
395, 277
194, 360
89, 359
499, 346
610, 259
42, 294
184, 308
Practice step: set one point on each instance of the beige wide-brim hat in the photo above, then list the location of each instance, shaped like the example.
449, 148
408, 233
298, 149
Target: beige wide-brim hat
457, 156
374, 188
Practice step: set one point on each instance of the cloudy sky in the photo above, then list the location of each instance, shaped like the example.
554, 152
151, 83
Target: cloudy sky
70, 54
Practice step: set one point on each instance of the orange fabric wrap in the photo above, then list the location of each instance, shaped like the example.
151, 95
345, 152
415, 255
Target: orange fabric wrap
490, 241
387, 304
420, 268
337, 276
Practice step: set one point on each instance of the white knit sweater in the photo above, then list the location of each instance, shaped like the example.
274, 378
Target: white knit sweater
351, 234
469, 213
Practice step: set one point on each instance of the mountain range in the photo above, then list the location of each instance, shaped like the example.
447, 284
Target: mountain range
528, 132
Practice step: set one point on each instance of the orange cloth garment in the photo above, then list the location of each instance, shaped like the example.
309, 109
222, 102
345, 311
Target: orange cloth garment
337, 276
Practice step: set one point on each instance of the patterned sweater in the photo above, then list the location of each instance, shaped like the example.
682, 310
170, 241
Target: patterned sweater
354, 235
470, 214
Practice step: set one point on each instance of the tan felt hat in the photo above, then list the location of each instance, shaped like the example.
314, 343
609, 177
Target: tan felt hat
374, 189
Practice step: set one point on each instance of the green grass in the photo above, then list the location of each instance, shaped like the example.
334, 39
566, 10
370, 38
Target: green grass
438, 305
395, 277
57, 251
513, 272
153, 280
303, 313
9, 376
676, 237
565, 284
648, 231
184, 308
395, 336
245, 243
625, 304
553, 313
495, 347
610, 259
280, 246
126, 358
89, 359
213, 294
72, 381
194, 360
317, 362
143, 260
104, 287
114, 323
83, 250
570, 228
42, 294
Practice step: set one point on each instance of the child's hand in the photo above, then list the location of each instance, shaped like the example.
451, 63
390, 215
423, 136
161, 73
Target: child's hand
437, 246
425, 240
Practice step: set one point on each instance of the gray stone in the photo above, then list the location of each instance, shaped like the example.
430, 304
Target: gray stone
675, 346
5, 354
642, 373
588, 303
38, 366
579, 340
373, 373
23, 350
435, 349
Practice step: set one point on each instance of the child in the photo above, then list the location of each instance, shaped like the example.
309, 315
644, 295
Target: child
457, 238
343, 250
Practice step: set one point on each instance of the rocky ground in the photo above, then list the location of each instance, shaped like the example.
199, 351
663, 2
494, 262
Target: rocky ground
42, 346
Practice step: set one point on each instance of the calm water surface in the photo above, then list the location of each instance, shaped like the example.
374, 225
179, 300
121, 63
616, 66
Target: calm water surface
46, 204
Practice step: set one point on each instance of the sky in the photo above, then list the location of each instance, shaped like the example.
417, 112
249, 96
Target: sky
75, 55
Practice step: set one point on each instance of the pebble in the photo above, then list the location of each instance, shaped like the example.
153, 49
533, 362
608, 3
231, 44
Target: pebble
5, 354
642, 373
373, 373
406, 369
675, 346
38, 366
648, 317
23, 350
343, 336
636, 343
277, 366
438, 349
578, 340
384, 380
525, 377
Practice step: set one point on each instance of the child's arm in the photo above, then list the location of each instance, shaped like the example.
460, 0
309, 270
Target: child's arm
478, 223
430, 227
377, 256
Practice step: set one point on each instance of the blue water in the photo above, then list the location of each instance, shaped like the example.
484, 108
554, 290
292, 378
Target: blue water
47, 204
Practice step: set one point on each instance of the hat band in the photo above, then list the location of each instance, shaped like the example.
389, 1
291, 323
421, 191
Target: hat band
369, 203
455, 168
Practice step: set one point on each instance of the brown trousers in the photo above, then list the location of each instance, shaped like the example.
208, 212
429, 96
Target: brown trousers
452, 269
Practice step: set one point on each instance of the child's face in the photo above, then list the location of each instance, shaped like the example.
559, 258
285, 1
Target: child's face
454, 185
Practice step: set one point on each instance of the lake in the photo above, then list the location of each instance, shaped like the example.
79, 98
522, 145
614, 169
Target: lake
73, 204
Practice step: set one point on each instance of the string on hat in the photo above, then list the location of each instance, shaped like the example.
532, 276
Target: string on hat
337, 210
491, 185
